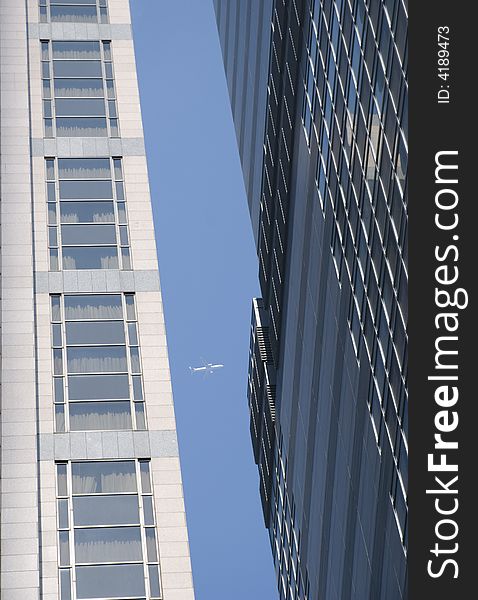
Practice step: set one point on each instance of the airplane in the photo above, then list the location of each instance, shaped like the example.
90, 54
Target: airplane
206, 369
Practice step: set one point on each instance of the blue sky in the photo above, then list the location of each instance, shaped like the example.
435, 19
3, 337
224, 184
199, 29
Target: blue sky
208, 271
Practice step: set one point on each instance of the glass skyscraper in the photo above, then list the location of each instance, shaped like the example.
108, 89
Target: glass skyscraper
91, 497
319, 97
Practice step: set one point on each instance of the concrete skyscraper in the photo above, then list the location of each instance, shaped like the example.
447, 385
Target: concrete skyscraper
319, 99
91, 495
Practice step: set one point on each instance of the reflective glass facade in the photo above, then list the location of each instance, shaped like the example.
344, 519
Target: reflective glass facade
328, 358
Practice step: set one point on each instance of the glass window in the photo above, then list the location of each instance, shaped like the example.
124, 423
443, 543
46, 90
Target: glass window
84, 168
76, 51
82, 107
100, 416
96, 359
88, 234
98, 387
77, 258
89, 189
81, 127
73, 14
87, 212
95, 332
110, 581
108, 544
154, 581
98, 306
106, 510
73, 2
77, 68
79, 88
103, 477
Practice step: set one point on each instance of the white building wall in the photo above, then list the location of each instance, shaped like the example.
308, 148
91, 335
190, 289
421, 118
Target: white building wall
29, 568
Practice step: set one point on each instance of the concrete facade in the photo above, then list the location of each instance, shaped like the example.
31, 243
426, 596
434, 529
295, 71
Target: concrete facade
29, 444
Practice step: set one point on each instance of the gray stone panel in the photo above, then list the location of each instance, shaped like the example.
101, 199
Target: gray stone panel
96, 281
79, 31
87, 147
80, 445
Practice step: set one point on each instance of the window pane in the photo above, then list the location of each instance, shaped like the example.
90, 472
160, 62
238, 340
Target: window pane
126, 258
106, 510
53, 237
73, 2
77, 68
119, 191
112, 109
98, 387
64, 548
60, 418
97, 332
137, 388
63, 514
151, 545
110, 581
76, 50
65, 584
59, 392
121, 212
83, 88
130, 311
132, 334
47, 109
106, 416
50, 169
55, 308
148, 510
123, 235
145, 480
107, 49
110, 88
50, 191
54, 264
84, 168
56, 334
87, 212
48, 127
76, 235
46, 88
73, 14
96, 359
62, 481
81, 127
117, 168
109, 477
80, 107
51, 214
140, 418
105, 257
57, 362
99, 306
135, 363
110, 544
154, 581
85, 189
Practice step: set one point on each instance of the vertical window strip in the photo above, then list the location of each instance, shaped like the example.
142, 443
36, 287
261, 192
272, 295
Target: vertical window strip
96, 502
105, 368
78, 89
83, 11
67, 248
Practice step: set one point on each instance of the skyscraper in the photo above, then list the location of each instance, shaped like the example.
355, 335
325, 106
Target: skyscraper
91, 495
328, 359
